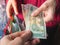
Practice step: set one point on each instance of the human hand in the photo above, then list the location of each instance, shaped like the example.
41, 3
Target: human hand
19, 38
11, 5
48, 9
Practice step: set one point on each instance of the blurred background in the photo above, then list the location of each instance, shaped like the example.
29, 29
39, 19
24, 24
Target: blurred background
3, 17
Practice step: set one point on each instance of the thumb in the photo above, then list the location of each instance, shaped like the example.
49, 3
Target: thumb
22, 39
40, 9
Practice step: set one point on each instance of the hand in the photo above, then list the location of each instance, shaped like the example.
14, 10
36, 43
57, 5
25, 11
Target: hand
19, 38
48, 9
11, 5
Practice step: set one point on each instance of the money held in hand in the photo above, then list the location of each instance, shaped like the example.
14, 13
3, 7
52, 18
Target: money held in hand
35, 24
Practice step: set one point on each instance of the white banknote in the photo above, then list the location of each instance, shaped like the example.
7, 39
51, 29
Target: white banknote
35, 24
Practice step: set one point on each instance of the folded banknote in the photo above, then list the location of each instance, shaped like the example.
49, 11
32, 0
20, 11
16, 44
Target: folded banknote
35, 24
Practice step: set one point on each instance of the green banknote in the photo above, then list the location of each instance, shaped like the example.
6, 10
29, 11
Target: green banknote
14, 25
35, 24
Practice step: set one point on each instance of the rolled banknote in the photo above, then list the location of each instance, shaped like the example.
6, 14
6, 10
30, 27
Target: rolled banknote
35, 24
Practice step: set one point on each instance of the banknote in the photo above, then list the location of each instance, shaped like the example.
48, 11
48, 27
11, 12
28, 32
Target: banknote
35, 24
14, 25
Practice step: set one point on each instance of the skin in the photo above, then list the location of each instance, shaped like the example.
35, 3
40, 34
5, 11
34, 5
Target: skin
19, 38
48, 9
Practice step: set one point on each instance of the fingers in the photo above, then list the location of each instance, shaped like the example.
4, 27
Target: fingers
32, 42
14, 4
22, 39
35, 41
9, 8
40, 9
49, 14
28, 43
14, 35
11, 5
16, 38
26, 36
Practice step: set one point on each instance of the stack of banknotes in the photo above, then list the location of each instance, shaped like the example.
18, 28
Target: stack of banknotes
35, 24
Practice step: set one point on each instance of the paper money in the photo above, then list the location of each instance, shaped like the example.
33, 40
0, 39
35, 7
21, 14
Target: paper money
35, 24
14, 25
